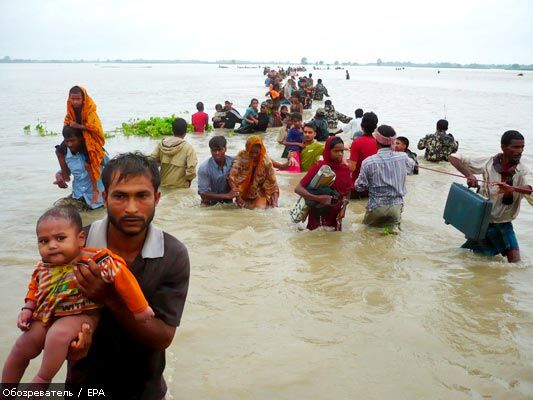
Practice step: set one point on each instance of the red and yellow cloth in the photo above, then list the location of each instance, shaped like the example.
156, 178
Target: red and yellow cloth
55, 291
93, 134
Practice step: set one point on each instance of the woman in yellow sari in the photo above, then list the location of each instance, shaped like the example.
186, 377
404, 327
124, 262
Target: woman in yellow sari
252, 176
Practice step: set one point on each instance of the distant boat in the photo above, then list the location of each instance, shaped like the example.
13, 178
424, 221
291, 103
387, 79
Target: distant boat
520, 74
222, 66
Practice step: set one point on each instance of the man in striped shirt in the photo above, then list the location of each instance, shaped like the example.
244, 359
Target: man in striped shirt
383, 175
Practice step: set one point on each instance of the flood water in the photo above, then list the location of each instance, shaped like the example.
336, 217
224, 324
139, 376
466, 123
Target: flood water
277, 313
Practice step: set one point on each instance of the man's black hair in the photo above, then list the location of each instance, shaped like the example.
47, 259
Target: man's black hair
179, 127
404, 140
128, 165
310, 125
296, 115
359, 113
69, 132
65, 212
327, 103
509, 136
216, 142
442, 125
319, 80
200, 106
386, 130
75, 90
369, 123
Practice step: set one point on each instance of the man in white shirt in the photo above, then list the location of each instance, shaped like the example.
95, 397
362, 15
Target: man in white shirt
352, 129
510, 182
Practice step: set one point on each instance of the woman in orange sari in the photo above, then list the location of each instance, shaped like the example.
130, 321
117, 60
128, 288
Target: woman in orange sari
252, 176
81, 114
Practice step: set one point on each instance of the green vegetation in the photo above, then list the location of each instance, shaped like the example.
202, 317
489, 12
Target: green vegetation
41, 130
153, 127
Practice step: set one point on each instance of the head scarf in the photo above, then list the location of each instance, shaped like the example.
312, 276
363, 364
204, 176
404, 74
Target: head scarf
384, 140
93, 134
248, 166
343, 181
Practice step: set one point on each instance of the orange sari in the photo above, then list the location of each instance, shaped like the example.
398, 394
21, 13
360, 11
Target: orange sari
93, 135
251, 178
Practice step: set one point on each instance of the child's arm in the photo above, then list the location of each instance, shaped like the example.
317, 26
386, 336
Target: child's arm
25, 316
293, 143
113, 269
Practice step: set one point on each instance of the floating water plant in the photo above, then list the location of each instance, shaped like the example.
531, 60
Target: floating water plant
41, 130
153, 127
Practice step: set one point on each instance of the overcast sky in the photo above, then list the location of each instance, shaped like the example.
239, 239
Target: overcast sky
464, 31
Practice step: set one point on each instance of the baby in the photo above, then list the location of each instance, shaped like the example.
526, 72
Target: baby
55, 308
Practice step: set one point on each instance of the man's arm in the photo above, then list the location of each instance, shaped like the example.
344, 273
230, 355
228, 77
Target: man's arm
471, 180
422, 143
205, 190
153, 333
192, 161
156, 155
362, 180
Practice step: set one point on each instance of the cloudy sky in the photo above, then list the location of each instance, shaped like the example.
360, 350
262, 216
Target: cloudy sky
464, 31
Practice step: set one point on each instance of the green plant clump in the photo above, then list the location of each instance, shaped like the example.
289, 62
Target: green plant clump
153, 127
41, 130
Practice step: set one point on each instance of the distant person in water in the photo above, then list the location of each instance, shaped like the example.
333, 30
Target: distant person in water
200, 119
347, 75
81, 114
253, 177
232, 115
213, 186
255, 121
83, 197
176, 158
402, 144
440, 144
320, 91
512, 182
220, 117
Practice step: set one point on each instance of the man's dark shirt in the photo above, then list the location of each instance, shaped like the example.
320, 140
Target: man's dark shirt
128, 369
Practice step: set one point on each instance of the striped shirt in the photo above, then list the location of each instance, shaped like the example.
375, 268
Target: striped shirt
383, 174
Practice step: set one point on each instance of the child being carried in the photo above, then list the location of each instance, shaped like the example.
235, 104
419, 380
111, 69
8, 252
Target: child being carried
55, 309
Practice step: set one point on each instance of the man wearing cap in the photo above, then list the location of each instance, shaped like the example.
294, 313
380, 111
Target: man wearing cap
384, 175
232, 115
321, 125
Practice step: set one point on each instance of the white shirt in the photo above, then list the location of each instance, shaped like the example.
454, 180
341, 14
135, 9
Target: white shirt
353, 128
484, 165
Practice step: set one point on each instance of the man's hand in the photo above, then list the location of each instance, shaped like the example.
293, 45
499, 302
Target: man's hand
471, 181
75, 125
503, 188
92, 285
80, 346
95, 195
24, 319
60, 180
232, 194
